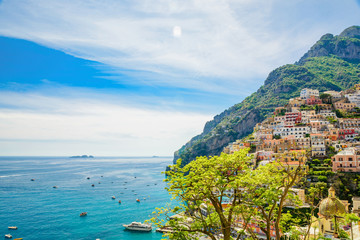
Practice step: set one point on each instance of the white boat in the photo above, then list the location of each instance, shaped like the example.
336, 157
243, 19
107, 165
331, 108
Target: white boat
138, 226
8, 236
12, 228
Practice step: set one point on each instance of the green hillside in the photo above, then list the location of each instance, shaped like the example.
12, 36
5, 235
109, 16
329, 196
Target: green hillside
333, 63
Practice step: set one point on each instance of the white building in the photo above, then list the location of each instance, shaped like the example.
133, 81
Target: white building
318, 147
307, 93
327, 113
334, 95
354, 98
297, 131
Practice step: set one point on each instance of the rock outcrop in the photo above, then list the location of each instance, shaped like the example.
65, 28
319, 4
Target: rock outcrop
331, 64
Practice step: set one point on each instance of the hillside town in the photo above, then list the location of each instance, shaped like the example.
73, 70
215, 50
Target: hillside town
313, 128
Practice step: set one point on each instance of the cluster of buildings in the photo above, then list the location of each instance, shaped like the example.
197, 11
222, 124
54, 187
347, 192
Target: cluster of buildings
309, 126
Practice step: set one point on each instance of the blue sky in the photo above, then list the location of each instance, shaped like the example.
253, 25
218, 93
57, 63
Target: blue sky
141, 77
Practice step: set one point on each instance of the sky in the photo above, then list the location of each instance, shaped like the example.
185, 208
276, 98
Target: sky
142, 77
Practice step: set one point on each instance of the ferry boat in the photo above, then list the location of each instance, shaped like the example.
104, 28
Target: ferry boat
138, 226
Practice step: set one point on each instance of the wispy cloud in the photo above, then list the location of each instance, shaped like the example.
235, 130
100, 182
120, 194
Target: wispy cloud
233, 42
80, 124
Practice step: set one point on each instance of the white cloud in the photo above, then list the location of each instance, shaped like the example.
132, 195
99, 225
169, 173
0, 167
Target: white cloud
46, 125
234, 42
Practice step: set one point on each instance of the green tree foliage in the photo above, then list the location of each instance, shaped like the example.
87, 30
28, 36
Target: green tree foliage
218, 192
351, 218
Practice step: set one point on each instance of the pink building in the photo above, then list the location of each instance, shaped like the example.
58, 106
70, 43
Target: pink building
348, 160
312, 100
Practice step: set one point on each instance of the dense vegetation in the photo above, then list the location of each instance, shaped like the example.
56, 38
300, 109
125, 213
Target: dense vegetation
333, 63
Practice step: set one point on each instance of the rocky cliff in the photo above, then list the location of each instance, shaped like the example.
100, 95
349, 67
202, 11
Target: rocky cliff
331, 64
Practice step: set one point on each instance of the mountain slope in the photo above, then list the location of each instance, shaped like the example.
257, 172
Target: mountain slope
331, 64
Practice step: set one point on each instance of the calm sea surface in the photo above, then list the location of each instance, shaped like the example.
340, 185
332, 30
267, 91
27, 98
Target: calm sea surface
43, 212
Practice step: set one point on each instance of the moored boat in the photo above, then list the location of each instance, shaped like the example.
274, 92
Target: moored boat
83, 214
12, 227
138, 226
8, 236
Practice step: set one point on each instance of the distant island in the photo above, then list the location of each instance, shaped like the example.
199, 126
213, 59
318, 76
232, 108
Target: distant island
82, 156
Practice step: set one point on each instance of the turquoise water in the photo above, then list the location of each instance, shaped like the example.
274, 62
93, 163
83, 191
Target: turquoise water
43, 212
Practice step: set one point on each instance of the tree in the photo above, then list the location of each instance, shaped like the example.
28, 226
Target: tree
269, 188
220, 193
326, 98
351, 218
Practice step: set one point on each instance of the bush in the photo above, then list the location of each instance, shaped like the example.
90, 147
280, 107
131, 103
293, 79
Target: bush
322, 178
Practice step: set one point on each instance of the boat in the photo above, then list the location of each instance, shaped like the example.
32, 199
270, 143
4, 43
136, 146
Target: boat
120, 201
138, 226
55, 187
33, 179
18, 238
83, 214
8, 236
12, 227
113, 197
138, 200
88, 178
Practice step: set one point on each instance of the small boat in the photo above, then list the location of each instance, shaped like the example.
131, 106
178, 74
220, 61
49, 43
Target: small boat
83, 214
92, 185
99, 182
138, 200
138, 226
102, 176
18, 238
33, 179
12, 228
88, 178
113, 197
8, 236
55, 187
120, 201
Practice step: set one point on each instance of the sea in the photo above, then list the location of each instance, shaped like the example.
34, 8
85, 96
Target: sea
41, 211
